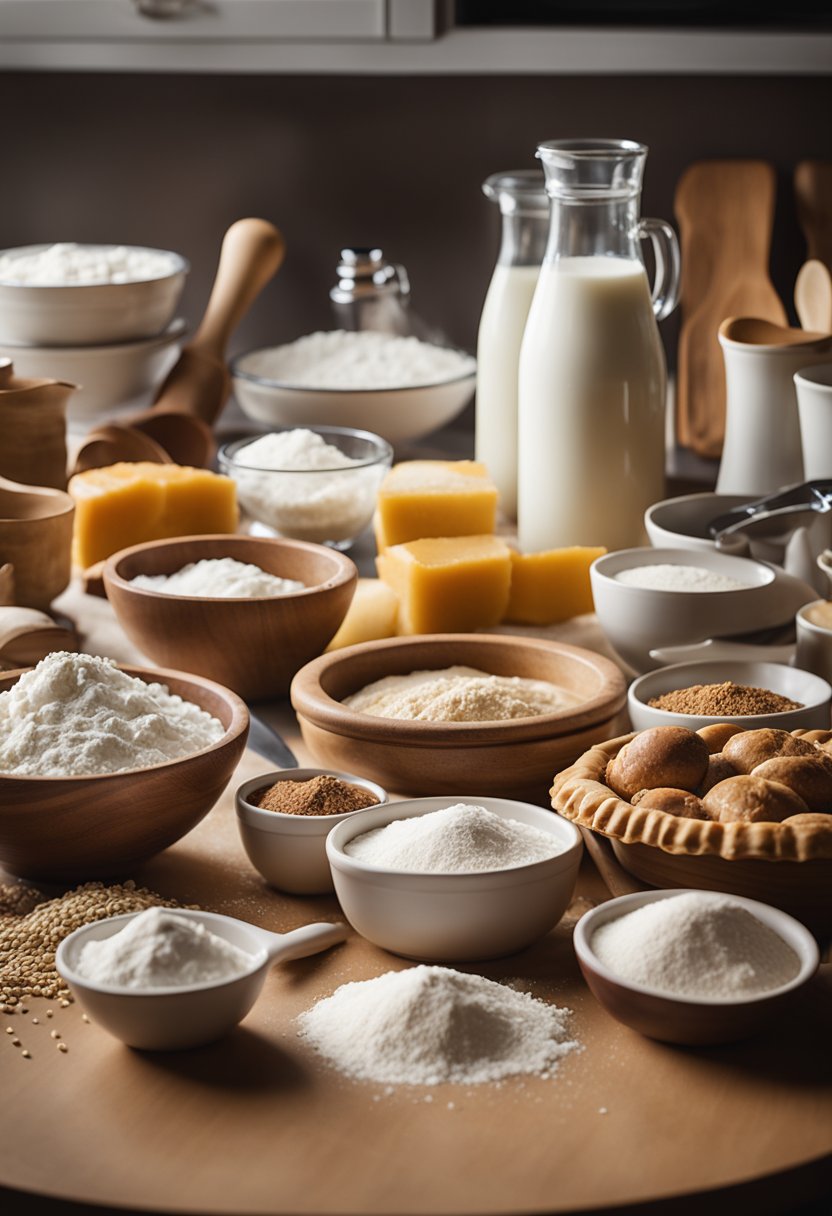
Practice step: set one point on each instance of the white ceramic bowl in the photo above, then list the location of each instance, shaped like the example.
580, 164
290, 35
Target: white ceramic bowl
89, 314
637, 620
811, 691
682, 523
108, 377
454, 917
190, 1015
325, 506
398, 414
689, 1020
290, 850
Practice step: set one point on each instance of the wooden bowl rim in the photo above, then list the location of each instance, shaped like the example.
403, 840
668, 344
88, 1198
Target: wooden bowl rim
320, 709
158, 675
345, 569
579, 794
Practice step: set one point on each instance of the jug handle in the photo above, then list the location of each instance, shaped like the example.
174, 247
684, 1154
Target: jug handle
666, 252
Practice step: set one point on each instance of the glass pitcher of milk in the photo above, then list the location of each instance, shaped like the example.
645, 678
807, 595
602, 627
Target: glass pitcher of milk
524, 207
592, 379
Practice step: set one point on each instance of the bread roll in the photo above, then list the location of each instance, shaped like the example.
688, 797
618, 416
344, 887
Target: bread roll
719, 769
751, 747
674, 802
670, 756
749, 799
809, 776
717, 735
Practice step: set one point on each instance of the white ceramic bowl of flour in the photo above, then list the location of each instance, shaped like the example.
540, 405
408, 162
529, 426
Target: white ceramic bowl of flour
188, 1015
640, 619
691, 1019
86, 295
399, 388
438, 917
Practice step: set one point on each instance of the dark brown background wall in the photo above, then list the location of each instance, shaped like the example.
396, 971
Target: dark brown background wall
398, 161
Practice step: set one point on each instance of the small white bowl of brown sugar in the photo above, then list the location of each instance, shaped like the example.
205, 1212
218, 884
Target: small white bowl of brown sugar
284, 818
750, 695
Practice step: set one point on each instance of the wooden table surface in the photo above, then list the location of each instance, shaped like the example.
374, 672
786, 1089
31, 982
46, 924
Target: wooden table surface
259, 1124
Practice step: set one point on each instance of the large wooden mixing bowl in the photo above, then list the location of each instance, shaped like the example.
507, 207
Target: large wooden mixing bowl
513, 759
73, 828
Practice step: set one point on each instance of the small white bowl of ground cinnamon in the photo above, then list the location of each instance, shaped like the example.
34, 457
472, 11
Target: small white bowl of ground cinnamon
284, 818
750, 695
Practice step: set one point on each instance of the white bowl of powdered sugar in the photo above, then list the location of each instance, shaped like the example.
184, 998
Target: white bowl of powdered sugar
399, 387
443, 880
693, 967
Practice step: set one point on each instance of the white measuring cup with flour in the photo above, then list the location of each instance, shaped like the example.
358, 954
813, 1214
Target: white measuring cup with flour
172, 1018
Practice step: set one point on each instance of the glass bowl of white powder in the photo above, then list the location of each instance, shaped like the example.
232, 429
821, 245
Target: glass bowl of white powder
87, 295
693, 967
309, 483
651, 599
398, 387
442, 880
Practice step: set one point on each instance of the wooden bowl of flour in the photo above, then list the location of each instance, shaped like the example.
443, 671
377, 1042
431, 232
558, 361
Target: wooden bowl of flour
253, 645
68, 829
513, 759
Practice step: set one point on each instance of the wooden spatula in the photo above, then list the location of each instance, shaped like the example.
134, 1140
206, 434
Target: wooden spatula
813, 194
199, 383
725, 211
813, 296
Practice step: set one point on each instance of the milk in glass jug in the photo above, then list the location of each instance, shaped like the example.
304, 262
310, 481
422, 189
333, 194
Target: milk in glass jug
592, 381
524, 207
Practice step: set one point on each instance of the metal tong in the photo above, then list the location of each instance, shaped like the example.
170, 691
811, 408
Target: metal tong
775, 515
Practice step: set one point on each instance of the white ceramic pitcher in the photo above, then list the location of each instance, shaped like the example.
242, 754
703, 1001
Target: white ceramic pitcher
762, 450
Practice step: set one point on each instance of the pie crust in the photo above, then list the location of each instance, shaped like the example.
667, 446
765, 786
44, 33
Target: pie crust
579, 794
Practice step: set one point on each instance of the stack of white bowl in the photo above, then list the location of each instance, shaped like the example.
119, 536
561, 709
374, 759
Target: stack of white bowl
116, 340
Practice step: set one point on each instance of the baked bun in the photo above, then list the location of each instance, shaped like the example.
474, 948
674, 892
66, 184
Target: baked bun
812, 820
749, 799
669, 756
674, 802
809, 776
823, 738
719, 769
752, 747
717, 735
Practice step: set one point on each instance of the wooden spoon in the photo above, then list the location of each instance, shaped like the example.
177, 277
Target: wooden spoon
813, 193
113, 443
813, 296
27, 636
725, 211
754, 331
199, 383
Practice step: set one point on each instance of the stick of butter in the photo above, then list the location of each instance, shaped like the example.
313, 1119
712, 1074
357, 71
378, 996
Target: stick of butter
550, 586
448, 584
427, 498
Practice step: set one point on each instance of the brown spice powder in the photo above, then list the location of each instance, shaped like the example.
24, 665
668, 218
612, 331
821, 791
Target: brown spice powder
322, 795
729, 699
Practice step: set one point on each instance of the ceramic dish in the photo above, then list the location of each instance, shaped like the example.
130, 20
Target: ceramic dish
78, 828
810, 691
89, 314
398, 414
689, 1020
787, 865
190, 1015
638, 621
290, 850
327, 506
252, 645
453, 917
110, 378
512, 759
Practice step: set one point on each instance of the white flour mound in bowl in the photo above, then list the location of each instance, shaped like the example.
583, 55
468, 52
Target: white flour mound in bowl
75, 715
67, 264
159, 949
695, 945
219, 578
458, 839
459, 694
426, 1025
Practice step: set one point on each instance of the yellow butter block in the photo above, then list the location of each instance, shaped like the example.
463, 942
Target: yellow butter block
448, 584
371, 615
550, 586
126, 504
427, 498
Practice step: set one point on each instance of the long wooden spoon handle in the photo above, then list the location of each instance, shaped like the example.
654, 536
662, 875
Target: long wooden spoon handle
251, 254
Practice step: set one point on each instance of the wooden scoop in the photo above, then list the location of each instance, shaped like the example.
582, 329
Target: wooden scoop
27, 636
178, 427
199, 383
813, 296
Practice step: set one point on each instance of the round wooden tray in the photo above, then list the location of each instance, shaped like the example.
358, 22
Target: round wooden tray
258, 1124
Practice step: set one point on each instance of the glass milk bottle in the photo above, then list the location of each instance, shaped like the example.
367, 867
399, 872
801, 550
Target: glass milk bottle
592, 380
524, 207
